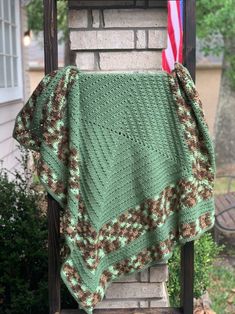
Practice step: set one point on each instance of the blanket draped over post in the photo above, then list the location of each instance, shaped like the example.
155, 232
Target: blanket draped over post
129, 158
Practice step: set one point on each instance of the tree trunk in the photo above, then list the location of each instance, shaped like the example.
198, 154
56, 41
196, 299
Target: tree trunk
225, 118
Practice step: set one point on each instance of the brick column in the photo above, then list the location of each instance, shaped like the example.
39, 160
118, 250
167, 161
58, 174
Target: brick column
123, 36
106, 37
142, 290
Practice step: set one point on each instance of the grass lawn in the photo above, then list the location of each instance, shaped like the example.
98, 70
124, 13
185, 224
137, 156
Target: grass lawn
222, 285
222, 289
221, 185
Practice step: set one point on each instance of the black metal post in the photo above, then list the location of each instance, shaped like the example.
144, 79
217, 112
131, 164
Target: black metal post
187, 251
51, 63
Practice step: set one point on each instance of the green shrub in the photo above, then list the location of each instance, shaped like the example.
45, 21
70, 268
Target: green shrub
23, 250
205, 251
23, 254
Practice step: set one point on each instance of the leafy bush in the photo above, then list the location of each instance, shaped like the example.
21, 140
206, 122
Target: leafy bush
205, 251
23, 253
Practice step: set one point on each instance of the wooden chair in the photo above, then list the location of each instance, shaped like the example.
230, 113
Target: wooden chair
187, 251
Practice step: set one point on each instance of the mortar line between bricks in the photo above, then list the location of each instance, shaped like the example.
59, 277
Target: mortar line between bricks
160, 28
102, 19
135, 299
119, 50
74, 7
98, 60
135, 39
90, 20
146, 39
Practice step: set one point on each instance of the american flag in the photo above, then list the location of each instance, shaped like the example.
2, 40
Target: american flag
174, 51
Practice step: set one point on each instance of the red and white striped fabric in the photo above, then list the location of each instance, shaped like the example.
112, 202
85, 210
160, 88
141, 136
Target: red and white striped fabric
174, 51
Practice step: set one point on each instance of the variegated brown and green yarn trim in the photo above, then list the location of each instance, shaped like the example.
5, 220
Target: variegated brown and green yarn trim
23, 129
146, 257
134, 222
79, 122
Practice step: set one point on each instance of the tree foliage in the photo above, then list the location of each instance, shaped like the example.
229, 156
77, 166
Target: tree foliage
216, 29
35, 16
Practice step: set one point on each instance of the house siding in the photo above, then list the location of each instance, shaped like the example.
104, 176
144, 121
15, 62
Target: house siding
8, 146
9, 151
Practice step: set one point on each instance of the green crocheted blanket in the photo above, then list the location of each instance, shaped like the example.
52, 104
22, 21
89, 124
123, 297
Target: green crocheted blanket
129, 158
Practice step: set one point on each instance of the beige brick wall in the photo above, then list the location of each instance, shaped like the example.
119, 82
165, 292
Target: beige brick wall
123, 36
118, 35
141, 290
